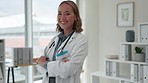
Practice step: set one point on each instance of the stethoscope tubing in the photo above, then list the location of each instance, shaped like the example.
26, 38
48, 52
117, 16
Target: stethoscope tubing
48, 49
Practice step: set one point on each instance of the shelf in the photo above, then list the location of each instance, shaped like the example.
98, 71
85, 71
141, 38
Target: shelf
115, 67
23, 65
129, 62
2, 61
102, 74
134, 43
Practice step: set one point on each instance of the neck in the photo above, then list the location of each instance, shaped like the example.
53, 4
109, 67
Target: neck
67, 32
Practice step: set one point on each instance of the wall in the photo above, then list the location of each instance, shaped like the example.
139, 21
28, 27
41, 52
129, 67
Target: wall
90, 18
110, 35
99, 20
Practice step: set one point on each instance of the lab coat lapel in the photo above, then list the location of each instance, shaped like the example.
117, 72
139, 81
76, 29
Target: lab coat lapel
52, 51
70, 40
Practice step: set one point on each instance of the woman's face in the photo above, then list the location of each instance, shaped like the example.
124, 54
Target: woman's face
66, 17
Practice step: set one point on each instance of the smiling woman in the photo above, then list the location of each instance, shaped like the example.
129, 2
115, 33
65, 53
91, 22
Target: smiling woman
45, 13
67, 55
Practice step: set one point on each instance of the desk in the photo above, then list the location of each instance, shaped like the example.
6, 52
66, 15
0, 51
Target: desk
11, 68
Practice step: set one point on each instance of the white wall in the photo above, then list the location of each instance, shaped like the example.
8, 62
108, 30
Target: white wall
99, 20
90, 19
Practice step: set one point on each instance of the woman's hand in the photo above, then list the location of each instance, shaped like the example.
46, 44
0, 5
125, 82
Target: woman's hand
65, 60
41, 61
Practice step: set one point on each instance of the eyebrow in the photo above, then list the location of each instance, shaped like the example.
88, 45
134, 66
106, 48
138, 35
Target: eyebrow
65, 11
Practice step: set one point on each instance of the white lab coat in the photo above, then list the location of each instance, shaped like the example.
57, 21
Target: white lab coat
67, 72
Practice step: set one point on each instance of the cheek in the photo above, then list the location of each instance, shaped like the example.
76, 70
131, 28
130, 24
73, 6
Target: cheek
72, 19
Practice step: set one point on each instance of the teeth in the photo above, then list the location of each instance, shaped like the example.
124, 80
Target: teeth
63, 22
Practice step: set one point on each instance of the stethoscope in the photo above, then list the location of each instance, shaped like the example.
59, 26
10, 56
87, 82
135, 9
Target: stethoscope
49, 48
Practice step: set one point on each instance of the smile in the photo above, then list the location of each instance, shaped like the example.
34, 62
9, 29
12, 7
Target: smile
64, 22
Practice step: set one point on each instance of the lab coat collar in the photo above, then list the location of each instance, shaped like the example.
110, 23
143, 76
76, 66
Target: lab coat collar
72, 37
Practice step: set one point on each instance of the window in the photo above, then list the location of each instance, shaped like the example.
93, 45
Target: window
12, 21
12, 29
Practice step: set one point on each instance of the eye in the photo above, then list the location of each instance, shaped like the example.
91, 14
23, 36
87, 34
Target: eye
59, 14
67, 13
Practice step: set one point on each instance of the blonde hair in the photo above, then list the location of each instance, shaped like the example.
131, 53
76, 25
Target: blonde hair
77, 23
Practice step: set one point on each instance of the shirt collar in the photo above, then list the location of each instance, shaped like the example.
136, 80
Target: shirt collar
62, 37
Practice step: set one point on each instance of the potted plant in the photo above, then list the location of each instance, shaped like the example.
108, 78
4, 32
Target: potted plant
139, 55
139, 50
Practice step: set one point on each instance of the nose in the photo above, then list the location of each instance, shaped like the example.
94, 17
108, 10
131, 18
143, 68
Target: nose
63, 17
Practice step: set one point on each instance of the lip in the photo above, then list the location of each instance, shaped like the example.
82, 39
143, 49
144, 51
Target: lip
63, 22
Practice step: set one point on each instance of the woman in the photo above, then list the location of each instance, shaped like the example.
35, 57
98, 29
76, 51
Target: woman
67, 50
